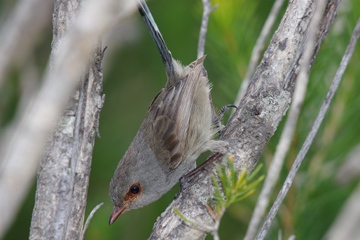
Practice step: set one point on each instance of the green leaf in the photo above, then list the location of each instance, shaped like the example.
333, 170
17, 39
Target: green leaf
235, 185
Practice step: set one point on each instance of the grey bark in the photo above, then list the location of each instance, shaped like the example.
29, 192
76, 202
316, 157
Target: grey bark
311, 135
253, 124
21, 147
64, 170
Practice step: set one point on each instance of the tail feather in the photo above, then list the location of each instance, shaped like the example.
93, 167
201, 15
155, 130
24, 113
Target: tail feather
159, 41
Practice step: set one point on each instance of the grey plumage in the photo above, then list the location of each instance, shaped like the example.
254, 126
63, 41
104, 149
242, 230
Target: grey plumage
177, 128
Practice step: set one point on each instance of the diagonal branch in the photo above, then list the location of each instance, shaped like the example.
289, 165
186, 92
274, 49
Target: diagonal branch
289, 128
309, 139
259, 47
258, 115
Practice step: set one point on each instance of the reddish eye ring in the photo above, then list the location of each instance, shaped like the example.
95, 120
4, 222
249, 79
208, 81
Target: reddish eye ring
134, 191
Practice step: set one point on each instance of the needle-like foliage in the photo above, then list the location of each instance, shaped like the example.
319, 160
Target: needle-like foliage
235, 186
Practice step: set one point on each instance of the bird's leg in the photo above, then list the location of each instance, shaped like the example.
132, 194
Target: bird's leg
220, 115
190, 175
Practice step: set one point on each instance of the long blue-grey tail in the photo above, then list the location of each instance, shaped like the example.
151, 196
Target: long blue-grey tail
158, 39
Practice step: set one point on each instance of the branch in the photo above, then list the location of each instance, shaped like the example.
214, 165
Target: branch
21, 152
87, 222
204, 25
259, 47
290, 125
252, 125
309, 139
64, 169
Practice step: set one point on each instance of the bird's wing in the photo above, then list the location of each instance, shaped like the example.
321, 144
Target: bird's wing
171, 111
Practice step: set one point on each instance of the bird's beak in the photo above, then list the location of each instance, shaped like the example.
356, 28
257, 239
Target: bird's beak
118, 210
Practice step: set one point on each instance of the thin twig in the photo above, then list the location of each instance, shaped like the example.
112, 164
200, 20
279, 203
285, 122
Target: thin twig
289, 129
204, 25
89, 218
309, 139
213, 229
195, 224
259, 47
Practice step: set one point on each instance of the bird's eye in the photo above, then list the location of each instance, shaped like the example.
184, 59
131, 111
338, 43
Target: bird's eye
135, 188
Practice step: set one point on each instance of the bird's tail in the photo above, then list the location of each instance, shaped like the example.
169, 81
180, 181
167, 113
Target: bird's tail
158, 39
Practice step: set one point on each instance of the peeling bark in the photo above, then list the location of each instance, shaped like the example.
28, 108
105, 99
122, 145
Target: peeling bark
64, 170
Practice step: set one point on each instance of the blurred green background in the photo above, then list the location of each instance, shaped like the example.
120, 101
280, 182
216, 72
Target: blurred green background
133, 74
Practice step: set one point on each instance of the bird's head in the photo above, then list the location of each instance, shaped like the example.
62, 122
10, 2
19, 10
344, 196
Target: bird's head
138, 181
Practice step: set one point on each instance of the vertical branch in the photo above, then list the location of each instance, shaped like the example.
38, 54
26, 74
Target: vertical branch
65, 166
64, 171
22, 149
204, 26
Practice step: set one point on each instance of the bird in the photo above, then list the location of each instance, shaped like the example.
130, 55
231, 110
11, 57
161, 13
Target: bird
177, 128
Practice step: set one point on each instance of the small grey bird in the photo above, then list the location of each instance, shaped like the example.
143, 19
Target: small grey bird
177, 128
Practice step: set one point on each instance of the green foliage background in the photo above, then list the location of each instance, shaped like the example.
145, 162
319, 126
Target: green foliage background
133, 74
